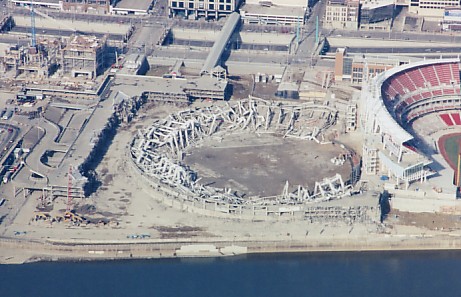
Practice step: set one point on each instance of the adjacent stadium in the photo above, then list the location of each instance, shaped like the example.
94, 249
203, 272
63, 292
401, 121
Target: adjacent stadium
411, 119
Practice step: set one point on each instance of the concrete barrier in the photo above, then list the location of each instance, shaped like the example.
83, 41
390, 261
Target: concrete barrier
197, 250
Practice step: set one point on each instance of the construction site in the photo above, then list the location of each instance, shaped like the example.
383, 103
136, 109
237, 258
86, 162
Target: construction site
106, 132
218, 135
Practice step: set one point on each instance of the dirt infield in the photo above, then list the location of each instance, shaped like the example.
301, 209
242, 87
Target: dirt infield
449, 149
261, 164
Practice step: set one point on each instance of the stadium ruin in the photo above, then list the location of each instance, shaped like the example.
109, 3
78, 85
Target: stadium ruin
158, 154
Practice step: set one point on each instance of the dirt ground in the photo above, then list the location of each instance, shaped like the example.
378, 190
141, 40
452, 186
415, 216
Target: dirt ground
241, 87
265, 90
156, 70
261, 164
431, 221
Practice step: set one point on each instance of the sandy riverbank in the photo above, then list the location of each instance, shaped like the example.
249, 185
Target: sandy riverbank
14, 251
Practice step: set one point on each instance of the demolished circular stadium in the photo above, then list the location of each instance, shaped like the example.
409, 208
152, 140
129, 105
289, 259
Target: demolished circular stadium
158, 154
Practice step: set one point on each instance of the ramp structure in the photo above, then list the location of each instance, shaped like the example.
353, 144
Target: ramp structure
214, 57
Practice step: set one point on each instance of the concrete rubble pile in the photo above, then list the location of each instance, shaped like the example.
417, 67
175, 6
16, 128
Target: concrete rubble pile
157, 151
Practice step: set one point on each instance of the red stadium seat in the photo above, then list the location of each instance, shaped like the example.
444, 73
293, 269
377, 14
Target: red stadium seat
447, 119
456, 119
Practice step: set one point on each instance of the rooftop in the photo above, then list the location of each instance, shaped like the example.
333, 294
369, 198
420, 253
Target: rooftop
39, 1
344, 2
273, 10
135, 85
143, 5
84, 42
297, 3
370, 4
382, 60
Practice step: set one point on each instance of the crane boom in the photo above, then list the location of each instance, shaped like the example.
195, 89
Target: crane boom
32, 23
35, 11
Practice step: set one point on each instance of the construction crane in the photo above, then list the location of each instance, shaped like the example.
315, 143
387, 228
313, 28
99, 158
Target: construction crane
44, 15
34, 11
32, 23
69, 188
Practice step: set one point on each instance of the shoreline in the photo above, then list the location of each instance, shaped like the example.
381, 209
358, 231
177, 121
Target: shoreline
16, 251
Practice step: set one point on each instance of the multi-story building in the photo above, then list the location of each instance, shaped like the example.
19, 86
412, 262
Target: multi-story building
275, 12
376, 14
431, 8
342, 14
51, 4
209, 9
77, 6
355, 68
84, 56
136, 7
38, 61
451, 19
87, 6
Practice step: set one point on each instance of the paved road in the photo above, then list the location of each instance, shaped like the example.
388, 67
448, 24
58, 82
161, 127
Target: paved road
424, 36
56, 32
46, 143
307, 40
14, 40
250, 57
241, 46
84, 17
8, 135
403, 50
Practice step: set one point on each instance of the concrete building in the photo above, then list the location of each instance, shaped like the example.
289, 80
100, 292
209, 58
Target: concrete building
268, 13
83, 6
179, 91
134, 64
84, 56
374, 12
76, 6
133, 7
87, 6
432, 8
342, 14
286, 3
37, 62
53, 4
209, 9
451, 19
354, 68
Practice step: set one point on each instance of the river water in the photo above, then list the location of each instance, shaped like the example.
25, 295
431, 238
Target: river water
376, 274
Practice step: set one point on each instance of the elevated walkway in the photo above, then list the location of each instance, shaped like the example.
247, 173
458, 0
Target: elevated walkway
219, 46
